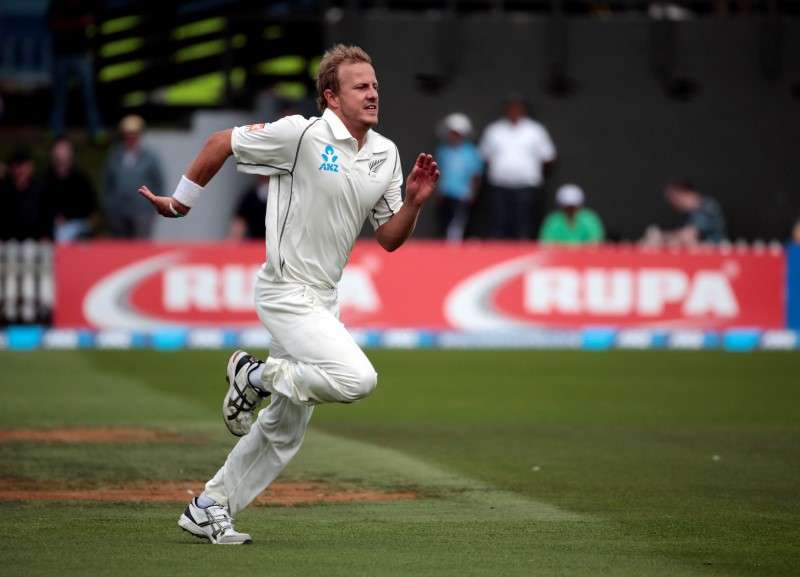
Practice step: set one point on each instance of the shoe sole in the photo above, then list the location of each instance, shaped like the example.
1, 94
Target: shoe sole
187, 525
229, 378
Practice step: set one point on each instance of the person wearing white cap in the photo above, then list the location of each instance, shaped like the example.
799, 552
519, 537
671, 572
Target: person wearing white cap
461, 166
572, 223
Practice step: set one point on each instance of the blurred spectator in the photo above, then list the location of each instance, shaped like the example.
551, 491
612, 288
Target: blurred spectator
796, 232
572, 223
25, 214
248, 221
461, 166
518, 149
128, 167
725, 7
71, 194
661, 10
72, 57
704, 220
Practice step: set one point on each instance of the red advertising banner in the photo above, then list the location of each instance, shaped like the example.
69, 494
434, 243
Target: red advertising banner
430, 285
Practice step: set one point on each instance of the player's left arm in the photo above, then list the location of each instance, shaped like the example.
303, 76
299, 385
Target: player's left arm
420, 184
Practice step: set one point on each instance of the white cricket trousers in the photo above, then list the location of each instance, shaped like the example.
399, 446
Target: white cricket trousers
313, 359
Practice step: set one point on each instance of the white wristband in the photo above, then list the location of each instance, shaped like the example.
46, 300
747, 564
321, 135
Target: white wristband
187, 192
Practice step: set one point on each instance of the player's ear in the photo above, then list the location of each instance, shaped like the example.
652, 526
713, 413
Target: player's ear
331, 98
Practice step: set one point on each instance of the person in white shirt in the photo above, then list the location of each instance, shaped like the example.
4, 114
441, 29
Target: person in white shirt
519, 151
327, 176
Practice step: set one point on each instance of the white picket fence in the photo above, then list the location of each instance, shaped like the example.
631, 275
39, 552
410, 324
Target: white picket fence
26, 282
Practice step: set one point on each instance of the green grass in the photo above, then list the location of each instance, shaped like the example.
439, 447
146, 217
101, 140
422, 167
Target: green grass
529, 463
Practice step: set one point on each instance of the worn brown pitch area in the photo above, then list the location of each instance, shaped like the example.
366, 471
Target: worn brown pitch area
286, 493
91, 435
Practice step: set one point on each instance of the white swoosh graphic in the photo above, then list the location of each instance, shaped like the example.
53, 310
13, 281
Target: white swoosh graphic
107, 304
467, 306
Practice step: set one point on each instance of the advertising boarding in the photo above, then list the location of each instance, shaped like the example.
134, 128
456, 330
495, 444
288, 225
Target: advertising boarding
481, 286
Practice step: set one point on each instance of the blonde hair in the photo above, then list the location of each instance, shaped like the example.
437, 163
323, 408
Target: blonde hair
328, 75
132, 124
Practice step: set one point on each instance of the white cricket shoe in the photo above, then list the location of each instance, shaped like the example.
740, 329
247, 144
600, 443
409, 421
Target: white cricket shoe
242, 399
213, 523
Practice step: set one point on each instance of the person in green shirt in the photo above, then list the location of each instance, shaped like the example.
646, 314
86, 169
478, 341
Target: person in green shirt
572, 223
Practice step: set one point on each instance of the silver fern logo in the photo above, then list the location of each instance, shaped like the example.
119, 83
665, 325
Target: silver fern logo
375, 164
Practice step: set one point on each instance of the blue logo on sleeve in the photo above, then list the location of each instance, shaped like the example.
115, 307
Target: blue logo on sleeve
329, 160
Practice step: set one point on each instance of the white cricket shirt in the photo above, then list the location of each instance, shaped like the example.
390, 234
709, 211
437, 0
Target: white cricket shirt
321, 190
516, 152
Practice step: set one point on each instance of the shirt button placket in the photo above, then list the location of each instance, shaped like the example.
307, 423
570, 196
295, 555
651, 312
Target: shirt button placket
353, 155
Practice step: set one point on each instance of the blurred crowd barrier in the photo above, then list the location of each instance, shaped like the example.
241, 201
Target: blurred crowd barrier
113, 294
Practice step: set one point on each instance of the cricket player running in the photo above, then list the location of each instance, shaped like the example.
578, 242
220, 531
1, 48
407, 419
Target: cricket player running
327, 175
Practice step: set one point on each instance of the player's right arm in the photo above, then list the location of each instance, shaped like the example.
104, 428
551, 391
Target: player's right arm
259, 149
205, 165
211, 157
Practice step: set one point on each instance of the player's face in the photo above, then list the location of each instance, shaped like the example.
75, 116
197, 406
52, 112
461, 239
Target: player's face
358, 95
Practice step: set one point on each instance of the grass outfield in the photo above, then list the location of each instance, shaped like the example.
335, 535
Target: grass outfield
528, 463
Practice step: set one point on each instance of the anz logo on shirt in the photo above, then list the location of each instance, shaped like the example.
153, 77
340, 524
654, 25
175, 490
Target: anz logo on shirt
329, 160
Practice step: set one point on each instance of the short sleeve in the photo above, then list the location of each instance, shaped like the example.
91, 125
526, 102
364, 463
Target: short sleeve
440, 154
547, 150
267, 148
391, 200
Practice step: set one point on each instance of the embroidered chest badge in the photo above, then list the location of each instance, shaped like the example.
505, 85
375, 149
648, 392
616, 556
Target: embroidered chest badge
375, 164
329, 160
